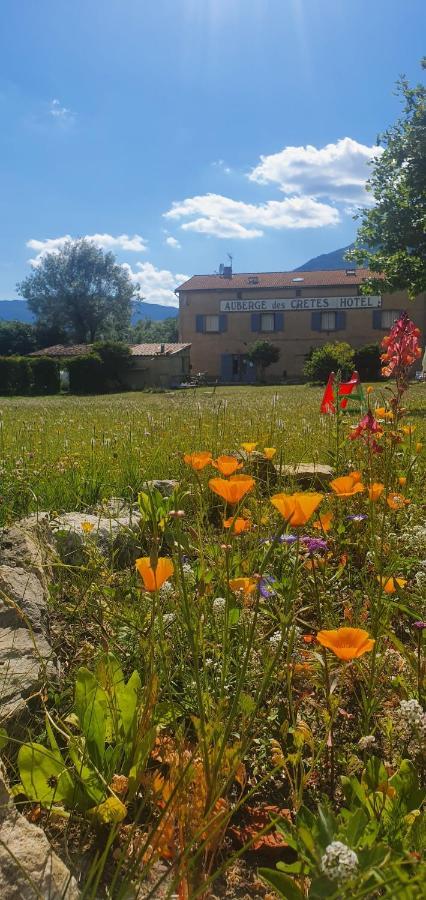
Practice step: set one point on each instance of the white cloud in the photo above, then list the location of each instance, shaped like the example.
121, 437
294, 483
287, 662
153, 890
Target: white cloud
135, 244
172, 242
155, 285
213, 214
60, 112
337, 171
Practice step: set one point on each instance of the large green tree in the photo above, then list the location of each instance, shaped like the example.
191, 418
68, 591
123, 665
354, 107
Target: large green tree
392, 235
146, 331
80, 291
17, 338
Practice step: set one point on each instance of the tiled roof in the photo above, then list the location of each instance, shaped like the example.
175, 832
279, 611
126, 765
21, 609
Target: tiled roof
256, 280
60, 350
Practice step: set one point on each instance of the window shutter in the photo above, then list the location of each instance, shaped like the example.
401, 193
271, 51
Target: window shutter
316, 321
226, 367
199, 324
255, 321
223, 322
279, 321
377, 318
340, 320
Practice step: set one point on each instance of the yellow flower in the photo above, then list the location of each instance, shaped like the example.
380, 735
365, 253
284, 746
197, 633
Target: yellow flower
87, 527
408, 429
154, 577
249, 447
234, 489
375, 490
198, 461
323, 522
346, 643
238, 525
418, 447
227, 465
111, 811
370, 389
390, 585
269, 452
347, 485
383, 413
296, 509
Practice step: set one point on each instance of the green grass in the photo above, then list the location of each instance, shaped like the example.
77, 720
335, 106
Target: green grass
65, 453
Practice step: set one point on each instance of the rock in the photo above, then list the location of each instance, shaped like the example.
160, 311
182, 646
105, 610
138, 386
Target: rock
307, 475
24, 545
261, 468
29, 868
165, 486
22, 598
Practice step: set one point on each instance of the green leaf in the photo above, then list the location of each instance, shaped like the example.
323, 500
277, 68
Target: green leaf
375, 773
322, 887
91, 706
355, 826
44, 775
4, 738
327, 826
89, 782
285, 886
406, 784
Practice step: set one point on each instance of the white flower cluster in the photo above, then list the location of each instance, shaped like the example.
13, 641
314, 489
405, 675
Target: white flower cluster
219, 604
166, 589
339, 862
367, 741
412, 715
275, 639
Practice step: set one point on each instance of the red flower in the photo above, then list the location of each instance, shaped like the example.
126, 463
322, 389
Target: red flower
401, 349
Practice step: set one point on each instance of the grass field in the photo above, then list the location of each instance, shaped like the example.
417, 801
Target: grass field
66, 453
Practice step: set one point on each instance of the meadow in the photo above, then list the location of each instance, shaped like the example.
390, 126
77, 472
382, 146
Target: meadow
240, 711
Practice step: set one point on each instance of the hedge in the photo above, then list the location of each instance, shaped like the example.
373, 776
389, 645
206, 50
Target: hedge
15, 376
45, 375
86, 374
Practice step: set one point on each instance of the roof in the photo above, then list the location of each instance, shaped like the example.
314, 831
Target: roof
256, 280
61, 350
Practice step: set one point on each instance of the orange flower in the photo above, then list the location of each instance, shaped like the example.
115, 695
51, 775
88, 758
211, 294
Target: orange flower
153, 578
395, 501
245, 586
390, 585
269, 452
408, 429
402, 480
249, 447
383, 413
418, 447
199, 460
375, 490
347, 485
233, 490
346, 643
323, 522
238, 525
296, 509
227, 465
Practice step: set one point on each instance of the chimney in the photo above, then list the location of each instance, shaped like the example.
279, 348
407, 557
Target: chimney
162, 348
227, 271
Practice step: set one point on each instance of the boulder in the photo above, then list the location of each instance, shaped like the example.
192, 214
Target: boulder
314, 476
29, 868
165, 486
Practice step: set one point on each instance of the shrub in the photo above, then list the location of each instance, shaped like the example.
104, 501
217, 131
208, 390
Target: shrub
15, 375
86, 374
45, 375
263, 354
116, 358
329, 358
367, 362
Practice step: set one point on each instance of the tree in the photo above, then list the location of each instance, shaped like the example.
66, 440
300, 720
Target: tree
392, 235
17, 338
263, 354
331, 357
81, 291
146, 331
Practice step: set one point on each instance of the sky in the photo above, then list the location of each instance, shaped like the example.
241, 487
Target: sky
175, 132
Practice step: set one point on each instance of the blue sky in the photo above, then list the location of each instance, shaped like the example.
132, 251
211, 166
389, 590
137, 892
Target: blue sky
176, 131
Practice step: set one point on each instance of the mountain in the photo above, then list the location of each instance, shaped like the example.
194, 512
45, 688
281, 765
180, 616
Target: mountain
17, 311
333, 260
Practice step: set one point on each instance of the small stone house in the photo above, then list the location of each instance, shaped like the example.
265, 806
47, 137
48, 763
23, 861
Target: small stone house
153, 365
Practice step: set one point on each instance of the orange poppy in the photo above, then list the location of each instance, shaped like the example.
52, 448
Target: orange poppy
347, 485
402, 480
346, 643
269, 452
249, 447
153, 578
296, 509
323, 522
234, 489
199, 460
391, 585
375, 490
245, 586
227, 465
238, 525
395, 501
383, 413
418, 447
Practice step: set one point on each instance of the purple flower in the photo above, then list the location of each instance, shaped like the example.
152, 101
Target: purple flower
419, 625
314, 545
287, 539
265, 586
359, 517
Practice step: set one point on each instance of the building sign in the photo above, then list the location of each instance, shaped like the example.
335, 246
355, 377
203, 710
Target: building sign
297, 304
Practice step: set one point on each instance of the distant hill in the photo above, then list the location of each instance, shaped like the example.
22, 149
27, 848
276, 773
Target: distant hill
17, 311
333, 260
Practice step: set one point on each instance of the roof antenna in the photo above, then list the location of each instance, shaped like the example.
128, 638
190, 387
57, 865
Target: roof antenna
230, 257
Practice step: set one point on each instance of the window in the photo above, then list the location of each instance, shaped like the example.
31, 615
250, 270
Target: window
212, 323
328, 321
267, 322
388, 317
